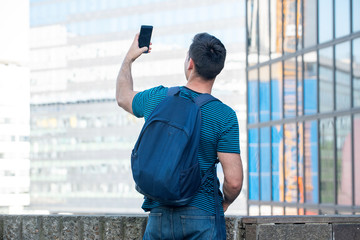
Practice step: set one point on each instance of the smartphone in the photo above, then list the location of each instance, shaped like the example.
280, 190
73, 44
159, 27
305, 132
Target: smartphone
145, 36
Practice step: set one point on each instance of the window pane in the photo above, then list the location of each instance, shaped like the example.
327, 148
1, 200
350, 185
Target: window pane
299, 23
342, 19
277, 157
310, 9
264, 94
264, 30
265, 163
253, 164
265, 210
342, 76
326, 84
290, 88
253, 93
290, 163
356, 72
291, 211
300, 85
343, 146
327, 161
356, 15
276, 28
252, 18
325, 20
276, 91
289, 26
300, 181
311, 162
357, 158
310, 83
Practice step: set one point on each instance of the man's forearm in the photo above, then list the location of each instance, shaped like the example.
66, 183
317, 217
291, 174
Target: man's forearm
124, 80
231, 192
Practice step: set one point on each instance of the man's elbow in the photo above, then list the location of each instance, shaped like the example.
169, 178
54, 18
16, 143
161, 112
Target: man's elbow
235, 184
120, 101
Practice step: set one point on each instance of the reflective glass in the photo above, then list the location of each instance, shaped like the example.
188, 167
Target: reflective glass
356, 15
290, 88
276, 23
253, 164
253, 100
326, 84
265, 210
265, 164
311, 162
300, 177
310, 22
291, 183
300, 85
252, 31
327, 161
344, 164
356, 72
277, 162
325, 21
291, 211
357, 158
264, 30
310, 83
276, 91
342, 76
299, 24
311, 211
289, 26
264, 94
342, 19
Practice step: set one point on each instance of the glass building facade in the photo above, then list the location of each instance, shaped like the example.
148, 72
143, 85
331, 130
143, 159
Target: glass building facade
80, 139
303, 124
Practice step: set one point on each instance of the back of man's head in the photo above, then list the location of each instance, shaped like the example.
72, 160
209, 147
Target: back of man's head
208, 54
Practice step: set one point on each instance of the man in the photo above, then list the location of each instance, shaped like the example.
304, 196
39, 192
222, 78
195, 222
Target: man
219, 141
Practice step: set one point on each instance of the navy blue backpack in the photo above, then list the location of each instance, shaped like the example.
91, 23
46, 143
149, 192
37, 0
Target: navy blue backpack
164, 160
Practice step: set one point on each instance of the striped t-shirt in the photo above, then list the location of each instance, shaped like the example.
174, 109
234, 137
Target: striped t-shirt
219, 133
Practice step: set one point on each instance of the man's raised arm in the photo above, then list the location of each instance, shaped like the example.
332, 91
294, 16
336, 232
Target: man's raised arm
124, 82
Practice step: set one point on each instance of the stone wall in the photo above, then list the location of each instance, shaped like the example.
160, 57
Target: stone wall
34, 227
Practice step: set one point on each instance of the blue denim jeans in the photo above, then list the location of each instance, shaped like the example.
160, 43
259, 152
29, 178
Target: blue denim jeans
182, 223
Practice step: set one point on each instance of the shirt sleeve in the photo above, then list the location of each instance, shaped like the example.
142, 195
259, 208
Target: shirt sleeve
229, 139
144, 101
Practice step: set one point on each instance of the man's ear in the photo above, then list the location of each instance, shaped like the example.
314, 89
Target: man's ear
191, 64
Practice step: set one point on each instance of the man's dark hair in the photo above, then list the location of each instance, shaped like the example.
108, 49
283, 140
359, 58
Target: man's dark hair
208, 54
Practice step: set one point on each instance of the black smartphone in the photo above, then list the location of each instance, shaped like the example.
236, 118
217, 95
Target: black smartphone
145, 36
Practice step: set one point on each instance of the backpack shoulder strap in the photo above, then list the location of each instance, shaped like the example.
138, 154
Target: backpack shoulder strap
204, 98
173, 90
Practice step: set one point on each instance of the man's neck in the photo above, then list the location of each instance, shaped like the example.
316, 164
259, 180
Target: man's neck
200, 85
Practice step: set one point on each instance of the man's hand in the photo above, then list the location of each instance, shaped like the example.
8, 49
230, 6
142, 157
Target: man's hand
225, 205
134, 51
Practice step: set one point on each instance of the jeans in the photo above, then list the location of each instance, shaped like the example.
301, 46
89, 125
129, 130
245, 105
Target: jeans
182, 223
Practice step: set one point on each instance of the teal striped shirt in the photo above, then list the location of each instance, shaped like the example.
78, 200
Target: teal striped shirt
219, 133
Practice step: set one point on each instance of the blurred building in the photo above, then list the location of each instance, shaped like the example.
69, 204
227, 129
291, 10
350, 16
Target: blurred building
14, 106
303, 125
80, 139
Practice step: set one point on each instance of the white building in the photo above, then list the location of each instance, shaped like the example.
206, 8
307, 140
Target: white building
14, 106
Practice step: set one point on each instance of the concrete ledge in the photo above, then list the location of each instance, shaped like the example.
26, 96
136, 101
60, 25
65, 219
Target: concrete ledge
301, 227
128, 227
